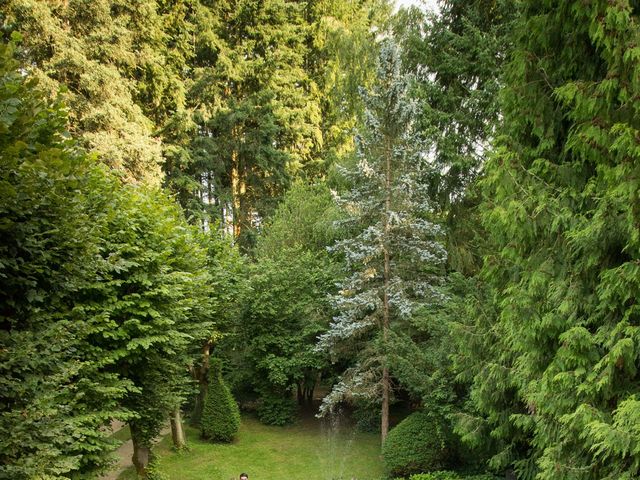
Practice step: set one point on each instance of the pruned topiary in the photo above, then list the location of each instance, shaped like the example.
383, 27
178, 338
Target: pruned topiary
420, 443
220, 415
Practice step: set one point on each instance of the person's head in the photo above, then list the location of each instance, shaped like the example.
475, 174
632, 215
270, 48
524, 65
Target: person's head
244, 476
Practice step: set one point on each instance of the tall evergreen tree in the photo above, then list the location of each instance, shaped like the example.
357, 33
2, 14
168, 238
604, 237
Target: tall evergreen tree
457, 55
341, 58
394, 256
256, 121
96, 51
560, 205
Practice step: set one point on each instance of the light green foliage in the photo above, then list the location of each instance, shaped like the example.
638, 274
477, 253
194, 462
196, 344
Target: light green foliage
221, 415
420, 443
341, 59
287, 304
93, 50
306, 219
561, 196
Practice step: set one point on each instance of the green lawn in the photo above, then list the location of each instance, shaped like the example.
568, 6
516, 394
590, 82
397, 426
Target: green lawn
309, 450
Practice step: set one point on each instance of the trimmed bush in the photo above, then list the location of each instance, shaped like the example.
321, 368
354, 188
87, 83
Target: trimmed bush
420, 443
276, 410
220, 415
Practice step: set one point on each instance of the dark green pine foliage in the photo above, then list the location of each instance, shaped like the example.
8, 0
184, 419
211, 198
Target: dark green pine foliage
457, 56
561, 198
55, 394
256, 121
221, 415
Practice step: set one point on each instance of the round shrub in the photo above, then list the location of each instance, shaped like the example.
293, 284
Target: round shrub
420, 443
220, 414
276, 410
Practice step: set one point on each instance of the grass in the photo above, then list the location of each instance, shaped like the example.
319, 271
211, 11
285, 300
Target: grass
309, 450
123, 434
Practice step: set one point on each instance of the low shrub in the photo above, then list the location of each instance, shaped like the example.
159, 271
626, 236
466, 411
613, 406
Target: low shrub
420, 443
277, 410
367, 418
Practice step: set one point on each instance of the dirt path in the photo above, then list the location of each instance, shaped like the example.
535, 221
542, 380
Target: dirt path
125, 452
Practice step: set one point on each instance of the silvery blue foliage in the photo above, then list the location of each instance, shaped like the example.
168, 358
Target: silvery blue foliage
388, 209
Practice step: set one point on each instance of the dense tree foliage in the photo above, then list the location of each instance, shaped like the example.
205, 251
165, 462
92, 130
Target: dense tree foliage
560, 383
420, 443
483, 245
93, 51
53, 207
287, 304
104, 289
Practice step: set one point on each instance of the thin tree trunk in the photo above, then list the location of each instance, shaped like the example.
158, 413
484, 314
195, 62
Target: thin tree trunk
177, 432
235, 194
202, 382
141, 452
386, 383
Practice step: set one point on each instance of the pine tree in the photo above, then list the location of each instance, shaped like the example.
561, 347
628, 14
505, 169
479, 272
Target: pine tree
394, 256
560, 207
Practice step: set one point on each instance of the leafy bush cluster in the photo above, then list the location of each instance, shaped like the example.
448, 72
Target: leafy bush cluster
277, 410
220, 415
420, 443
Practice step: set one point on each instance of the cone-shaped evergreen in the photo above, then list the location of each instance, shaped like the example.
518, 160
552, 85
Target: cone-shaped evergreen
221, 415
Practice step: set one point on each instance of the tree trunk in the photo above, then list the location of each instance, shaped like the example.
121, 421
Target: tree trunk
386, 383
177, 432
386, 390
141, 452
201, 373
309, 395
235, 195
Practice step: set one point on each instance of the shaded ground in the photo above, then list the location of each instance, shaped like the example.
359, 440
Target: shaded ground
125, 452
